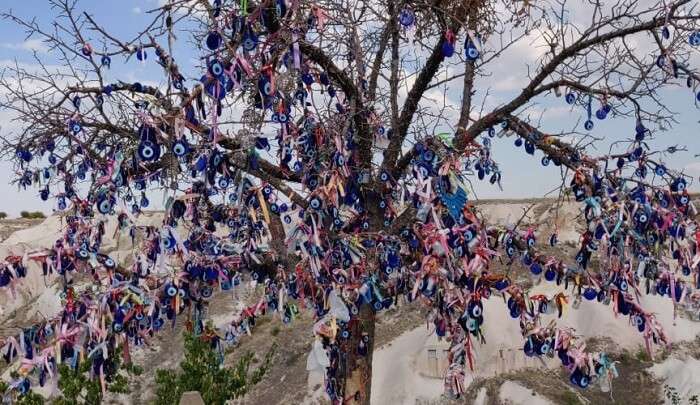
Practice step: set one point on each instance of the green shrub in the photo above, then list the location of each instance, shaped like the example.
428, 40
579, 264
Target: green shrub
3, 215
201, 370
79, 387
31, 398
32, 215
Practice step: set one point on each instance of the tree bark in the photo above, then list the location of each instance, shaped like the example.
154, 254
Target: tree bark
358, 368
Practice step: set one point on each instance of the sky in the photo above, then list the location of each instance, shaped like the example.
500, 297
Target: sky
523, 176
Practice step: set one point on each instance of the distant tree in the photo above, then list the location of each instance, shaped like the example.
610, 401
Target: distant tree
333, 119
3, 215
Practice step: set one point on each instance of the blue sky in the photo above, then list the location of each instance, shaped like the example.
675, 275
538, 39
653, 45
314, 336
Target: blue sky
523, 176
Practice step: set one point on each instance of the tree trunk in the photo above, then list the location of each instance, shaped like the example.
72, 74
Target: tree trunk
358, 368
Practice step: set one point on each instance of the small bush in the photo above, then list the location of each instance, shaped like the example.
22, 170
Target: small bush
3, 215
642, 355
201, 371
569, 398
32, 215
275, 331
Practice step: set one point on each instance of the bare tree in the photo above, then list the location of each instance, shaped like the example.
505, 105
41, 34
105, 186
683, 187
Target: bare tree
323, 119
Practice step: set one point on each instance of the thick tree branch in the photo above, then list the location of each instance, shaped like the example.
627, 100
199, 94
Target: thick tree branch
465, 136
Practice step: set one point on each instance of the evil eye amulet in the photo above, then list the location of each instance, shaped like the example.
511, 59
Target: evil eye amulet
250, 42
471, 52
407, 18
448, 49
148, 151
180, 148
216, 68
265, 86
694, 38
141, 54
104, 206
213, 40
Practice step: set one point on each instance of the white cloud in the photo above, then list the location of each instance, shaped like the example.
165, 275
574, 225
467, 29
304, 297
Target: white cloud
136, 10
508, 83
36, 45
692, 168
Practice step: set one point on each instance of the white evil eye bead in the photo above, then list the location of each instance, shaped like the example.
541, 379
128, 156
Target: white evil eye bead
623, 285
171, 291
472, 52
104, 206
168, 243
660, 170
476, 311
588, 125
146, 151
179, 149
468, 235
109, 262
216, 68
315, 203
545, 161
